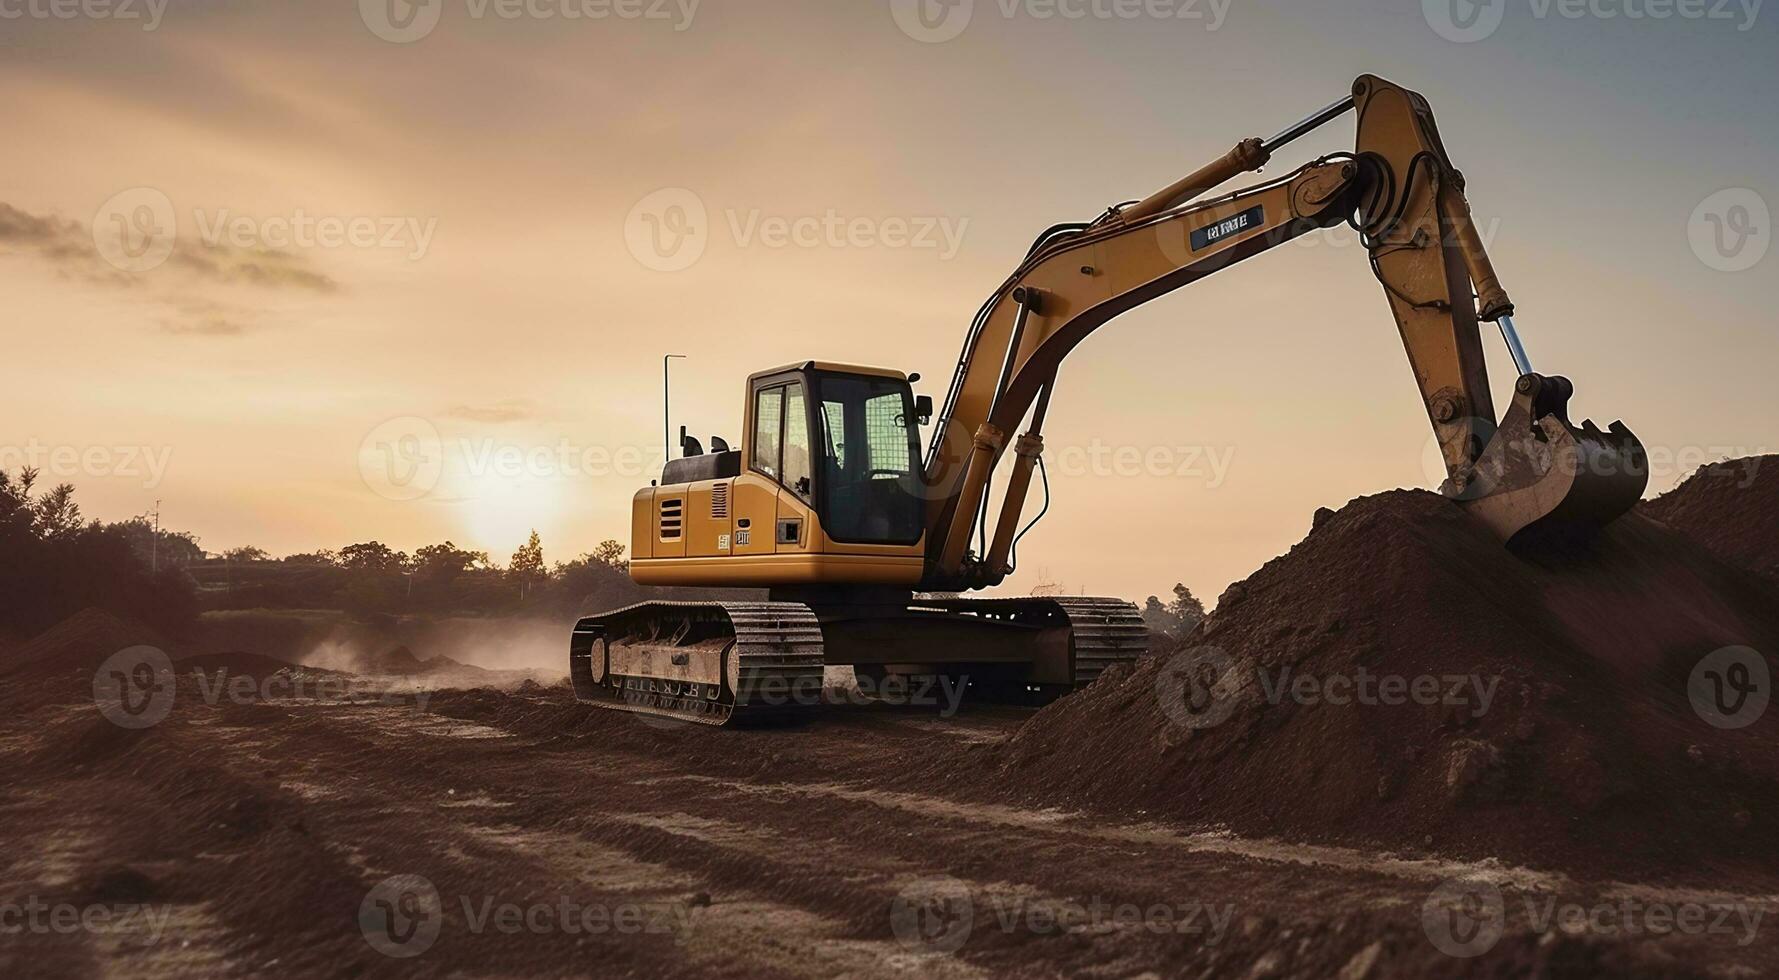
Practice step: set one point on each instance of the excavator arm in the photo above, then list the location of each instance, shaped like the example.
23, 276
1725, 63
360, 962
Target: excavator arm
1528, 474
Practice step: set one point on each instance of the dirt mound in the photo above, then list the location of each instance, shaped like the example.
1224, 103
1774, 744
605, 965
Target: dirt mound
1731, 508
80, 642
1400, 679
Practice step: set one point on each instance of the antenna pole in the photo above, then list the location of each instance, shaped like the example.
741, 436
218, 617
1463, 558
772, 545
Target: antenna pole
667, 408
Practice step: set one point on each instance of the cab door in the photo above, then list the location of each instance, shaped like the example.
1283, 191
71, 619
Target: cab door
778, 501
796, 525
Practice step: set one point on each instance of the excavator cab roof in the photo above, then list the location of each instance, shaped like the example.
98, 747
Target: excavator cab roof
833, 367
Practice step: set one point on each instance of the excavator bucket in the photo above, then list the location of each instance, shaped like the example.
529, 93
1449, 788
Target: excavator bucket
1542, 478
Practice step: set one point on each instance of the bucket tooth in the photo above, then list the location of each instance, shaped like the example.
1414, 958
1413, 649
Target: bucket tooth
1543, 477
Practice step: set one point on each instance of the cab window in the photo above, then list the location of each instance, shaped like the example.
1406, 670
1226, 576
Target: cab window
768, 416
870, 481
781, 438
798, 473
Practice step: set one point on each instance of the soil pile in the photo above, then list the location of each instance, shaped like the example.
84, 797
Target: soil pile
1730, 507
1400, 679
80, 642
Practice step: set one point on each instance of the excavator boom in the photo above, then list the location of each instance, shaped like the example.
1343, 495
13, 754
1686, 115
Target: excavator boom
1524, 475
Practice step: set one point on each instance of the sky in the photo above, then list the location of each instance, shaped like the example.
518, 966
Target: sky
307, 274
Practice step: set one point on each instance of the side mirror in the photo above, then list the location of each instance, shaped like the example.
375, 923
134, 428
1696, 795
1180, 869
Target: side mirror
923, 408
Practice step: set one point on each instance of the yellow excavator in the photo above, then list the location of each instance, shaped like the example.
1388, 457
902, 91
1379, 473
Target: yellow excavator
864, 548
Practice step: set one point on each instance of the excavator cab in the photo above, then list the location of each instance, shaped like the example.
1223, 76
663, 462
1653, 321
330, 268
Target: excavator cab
826, 487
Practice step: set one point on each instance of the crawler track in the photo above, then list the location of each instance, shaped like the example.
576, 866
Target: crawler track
768, 666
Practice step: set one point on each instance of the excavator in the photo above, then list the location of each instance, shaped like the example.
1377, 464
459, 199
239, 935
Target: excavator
865, 549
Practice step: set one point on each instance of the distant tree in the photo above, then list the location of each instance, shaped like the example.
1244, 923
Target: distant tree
1046, 585
247, 553
444, 562
326, 556
54, 563
372, 556
1185, 608
597, 580
1177, 617
56, 514
159, 547
610, 553
527, 566
1156, 617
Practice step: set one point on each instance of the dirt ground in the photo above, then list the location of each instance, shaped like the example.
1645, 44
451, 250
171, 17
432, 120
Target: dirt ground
491, 834
436, 803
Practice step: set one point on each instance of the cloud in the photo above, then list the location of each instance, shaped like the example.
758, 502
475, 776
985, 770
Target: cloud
207, 326
509, 410
270, 270
68, 246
